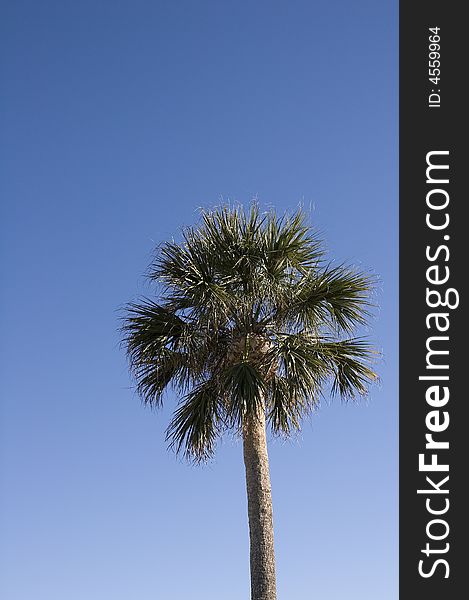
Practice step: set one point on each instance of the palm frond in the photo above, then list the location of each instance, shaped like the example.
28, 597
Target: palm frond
290, 246
154, 375
160, 347
244, 388
285, 406
196, 423
351, 362
338, 297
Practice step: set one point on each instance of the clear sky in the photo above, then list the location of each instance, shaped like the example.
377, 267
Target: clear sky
120, 119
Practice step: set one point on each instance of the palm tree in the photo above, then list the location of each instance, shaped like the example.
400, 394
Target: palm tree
249, 327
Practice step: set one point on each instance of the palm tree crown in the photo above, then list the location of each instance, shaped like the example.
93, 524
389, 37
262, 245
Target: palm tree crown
250, 320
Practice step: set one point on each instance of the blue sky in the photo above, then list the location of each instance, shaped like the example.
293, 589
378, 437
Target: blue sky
119, 120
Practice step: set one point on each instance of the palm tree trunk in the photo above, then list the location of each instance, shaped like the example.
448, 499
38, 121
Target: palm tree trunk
261, 530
